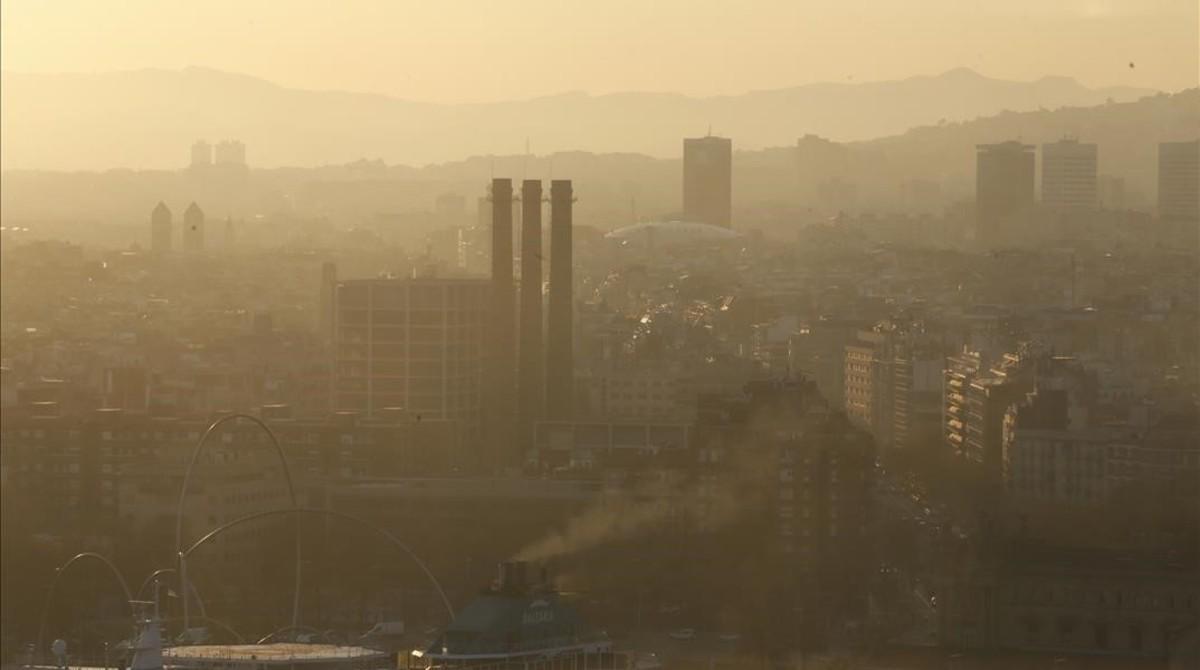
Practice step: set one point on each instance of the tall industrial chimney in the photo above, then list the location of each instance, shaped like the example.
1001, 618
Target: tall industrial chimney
501, 403
560, 364
531, 381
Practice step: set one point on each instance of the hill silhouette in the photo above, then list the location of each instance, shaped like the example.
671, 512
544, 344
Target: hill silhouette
149, 118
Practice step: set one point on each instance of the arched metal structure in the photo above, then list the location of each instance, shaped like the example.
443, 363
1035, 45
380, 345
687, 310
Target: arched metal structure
58, 573
187, 476
224, 626
191, 587
328, 512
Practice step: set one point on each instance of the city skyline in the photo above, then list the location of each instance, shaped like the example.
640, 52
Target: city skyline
896, 371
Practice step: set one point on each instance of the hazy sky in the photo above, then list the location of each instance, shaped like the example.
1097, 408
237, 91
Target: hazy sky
454, 50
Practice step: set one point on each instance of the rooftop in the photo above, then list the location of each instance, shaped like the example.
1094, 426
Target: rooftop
281, 653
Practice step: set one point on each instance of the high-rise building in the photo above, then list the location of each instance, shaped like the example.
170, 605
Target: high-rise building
416, 344
1069, 175
708, 180
1003, 189
961, 370
869, 383
230, 152
1179, 181
202, 154
917, 371
531, 368
560, 360
193, 228
988, 398
160, 229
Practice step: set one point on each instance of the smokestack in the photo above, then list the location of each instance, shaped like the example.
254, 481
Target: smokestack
504, 329
560, 370
531, 383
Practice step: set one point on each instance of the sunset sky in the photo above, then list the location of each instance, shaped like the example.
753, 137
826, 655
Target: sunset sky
484, 51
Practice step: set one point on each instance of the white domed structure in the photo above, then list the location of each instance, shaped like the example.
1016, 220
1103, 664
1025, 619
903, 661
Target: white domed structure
673, 233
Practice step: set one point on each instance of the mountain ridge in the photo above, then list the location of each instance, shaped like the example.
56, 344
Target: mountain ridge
148, 118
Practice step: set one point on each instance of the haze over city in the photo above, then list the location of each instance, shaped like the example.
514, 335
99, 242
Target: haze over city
599, 335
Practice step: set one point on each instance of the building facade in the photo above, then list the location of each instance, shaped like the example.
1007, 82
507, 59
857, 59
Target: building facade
1179, 181
708, 180
415, 344
1004, 179
1069, 175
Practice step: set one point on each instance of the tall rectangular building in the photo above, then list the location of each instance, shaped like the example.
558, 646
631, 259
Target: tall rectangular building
1003, 188
416, 344
1069, 175
708, 180
1179, 181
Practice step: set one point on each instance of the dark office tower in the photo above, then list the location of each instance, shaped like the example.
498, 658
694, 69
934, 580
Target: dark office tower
328, 286
560, 363
501, 405
531, 381
707, 180
193, 228
1003, 190
160, 229
1069, 176
1179, 181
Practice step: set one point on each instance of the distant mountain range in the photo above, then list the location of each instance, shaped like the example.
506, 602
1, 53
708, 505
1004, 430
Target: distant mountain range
149, 118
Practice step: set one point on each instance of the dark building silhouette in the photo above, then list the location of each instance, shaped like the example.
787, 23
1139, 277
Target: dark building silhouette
193, 228
1003, 189
160, 229
707, 180
560, 364
1179, 181
502, 385
531, 383
1069, 175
